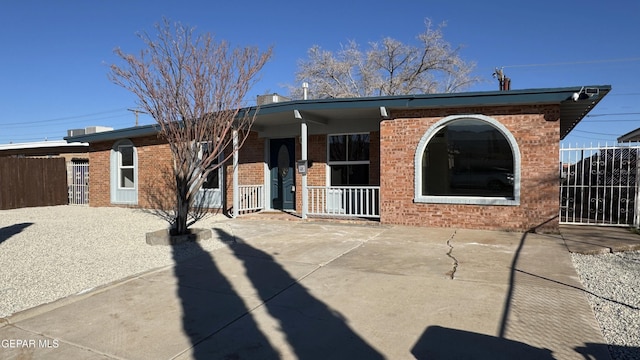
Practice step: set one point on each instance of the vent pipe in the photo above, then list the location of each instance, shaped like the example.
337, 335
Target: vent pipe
305, 90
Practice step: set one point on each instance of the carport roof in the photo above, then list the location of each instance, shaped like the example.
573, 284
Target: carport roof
571, 111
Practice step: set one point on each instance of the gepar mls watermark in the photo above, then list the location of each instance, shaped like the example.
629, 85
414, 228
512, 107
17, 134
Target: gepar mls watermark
29, 343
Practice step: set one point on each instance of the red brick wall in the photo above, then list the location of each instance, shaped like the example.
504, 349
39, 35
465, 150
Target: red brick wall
537, 133
99, 165
154, 173
317, 173
250, 166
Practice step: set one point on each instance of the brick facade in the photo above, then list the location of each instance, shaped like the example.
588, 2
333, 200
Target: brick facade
154, 173
536, 131
392, 150
250, 167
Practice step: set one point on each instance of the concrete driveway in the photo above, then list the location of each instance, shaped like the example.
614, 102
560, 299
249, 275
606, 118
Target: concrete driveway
317, 290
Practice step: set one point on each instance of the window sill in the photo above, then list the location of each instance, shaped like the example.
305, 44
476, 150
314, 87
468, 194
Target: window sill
467, 200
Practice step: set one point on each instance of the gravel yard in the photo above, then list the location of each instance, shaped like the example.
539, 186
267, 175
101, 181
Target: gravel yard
613, 284
90, 247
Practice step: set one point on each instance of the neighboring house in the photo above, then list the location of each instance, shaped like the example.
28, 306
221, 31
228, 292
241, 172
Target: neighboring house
53, 148
44, 174
486, 160
633, 135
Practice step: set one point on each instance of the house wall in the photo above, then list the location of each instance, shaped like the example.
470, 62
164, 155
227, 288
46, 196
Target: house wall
537, 132
250, 167
154, 173
317, 172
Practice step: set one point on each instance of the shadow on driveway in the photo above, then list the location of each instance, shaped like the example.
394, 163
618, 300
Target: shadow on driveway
220, 324
210, 304
8, 231
312, 329
444, 343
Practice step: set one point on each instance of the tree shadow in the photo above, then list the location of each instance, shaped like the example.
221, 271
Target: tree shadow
443, 343
210, 304
591, 351
312, 329
11, 230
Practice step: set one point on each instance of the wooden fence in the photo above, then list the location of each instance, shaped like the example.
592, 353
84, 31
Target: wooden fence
28, 182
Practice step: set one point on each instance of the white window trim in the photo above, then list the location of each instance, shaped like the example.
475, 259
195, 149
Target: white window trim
121, 167
344, 162
118, 194
219, 169
470, 200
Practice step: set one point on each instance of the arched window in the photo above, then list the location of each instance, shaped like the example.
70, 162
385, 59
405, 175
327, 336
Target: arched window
124, 173
468, 159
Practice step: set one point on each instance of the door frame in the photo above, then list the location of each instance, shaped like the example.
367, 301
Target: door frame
268, 175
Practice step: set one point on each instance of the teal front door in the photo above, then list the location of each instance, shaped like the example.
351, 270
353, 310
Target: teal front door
281, 164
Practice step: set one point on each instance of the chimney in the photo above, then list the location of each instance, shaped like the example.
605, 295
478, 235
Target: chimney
504, 83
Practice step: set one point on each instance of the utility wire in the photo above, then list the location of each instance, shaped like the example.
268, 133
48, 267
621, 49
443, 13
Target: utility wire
613, 114
576, 62
596, 133
613, 120
64, 118
32, 125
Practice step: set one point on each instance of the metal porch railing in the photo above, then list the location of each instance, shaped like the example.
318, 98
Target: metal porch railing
353, 201
251, 197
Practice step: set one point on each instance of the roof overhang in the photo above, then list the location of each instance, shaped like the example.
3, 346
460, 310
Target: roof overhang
633, 135
575, 103
43, 148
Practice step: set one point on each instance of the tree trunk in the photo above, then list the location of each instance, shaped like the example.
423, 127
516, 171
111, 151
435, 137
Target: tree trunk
182, 209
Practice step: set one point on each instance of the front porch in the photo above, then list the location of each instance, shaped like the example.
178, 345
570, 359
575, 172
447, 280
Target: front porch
347, 202
311, 162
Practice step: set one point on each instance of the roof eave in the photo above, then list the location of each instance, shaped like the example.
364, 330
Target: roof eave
573, 110
633, 135
131, 132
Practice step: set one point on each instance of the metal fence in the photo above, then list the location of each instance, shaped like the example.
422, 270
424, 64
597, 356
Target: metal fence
78, 180
600, 185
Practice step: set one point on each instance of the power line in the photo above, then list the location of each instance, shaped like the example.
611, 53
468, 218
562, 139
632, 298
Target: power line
613, 114
64, 118
613, 120
576, 62
15, 126
595, 133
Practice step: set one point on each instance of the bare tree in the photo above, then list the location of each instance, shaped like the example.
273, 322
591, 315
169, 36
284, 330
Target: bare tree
389, 67
194, 88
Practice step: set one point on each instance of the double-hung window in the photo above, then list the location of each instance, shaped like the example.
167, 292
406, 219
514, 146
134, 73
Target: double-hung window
126, 179
213, 178
349, 159
123, 174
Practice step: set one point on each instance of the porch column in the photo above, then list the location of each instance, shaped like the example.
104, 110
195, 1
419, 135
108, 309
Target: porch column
305, 191
236, 191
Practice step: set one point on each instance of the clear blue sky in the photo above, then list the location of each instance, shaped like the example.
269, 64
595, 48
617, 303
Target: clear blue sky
55, 54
